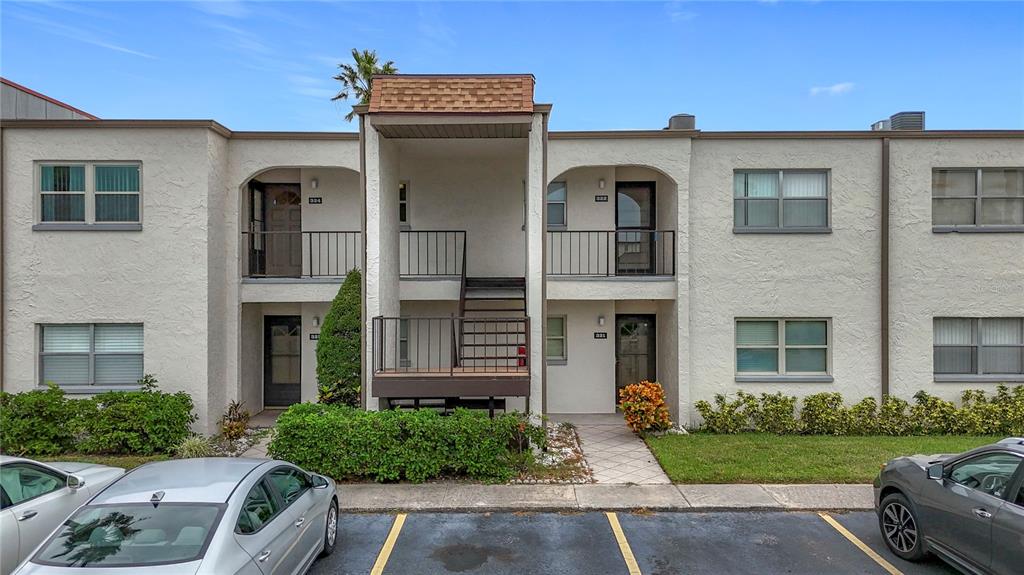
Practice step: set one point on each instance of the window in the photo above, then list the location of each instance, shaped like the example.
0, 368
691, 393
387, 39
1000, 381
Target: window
978, 346
403, 343
257, 510
767, 200
990, 473
556, 204
22, 481
89, 193
786, 346
403, 203
90, 354
555, 346
978, 197
288, 483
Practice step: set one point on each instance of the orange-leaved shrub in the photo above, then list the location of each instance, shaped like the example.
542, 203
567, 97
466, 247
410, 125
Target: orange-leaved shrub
643, 405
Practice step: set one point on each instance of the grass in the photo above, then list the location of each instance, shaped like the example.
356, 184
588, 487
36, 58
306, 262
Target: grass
766, 458
125, 461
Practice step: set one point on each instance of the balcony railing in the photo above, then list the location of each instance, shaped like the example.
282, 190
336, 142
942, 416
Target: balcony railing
611, 253
301, 254
431, 253
450, 346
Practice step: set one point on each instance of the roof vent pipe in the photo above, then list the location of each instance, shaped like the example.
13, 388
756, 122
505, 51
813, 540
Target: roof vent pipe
682, 122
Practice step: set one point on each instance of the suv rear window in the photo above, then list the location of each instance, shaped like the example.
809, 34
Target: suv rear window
132, 535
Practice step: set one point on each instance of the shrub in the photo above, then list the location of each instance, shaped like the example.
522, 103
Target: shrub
138, 422
1011, 409
932, 415
893, 418
728, 416
234, 421
863, 417
347, 443
339, 349
194, 446
643, 406
776, 414
39, 422
824, 414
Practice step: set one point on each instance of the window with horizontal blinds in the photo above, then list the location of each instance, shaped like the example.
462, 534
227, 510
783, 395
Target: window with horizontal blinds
978, 346
782, 346
780, 199
91, 354
555, 342
556, 200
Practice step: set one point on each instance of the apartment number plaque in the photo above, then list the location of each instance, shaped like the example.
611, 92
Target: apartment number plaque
314, 336
601, 198
316, 200
600, 335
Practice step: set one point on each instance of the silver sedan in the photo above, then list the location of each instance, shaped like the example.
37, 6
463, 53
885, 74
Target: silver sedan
37, 497
191, 516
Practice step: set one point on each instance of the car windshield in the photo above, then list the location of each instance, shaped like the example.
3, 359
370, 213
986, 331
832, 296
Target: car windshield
132, 535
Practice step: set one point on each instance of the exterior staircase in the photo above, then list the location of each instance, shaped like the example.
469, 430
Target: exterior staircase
487, 340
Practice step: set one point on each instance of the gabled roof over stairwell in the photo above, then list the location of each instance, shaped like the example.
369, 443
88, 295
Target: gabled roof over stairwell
452, 94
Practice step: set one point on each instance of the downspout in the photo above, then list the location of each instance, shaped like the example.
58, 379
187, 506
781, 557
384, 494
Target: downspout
3, 249
884, 284
363, 399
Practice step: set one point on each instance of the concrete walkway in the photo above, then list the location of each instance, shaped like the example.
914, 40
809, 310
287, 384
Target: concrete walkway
614, 453
362, 497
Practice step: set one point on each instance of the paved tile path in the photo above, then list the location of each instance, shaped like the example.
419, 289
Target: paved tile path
614, 453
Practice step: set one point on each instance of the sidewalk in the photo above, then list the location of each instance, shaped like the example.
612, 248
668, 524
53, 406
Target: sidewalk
471, 497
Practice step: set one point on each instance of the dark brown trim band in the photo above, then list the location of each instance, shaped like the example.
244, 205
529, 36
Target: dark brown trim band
884, 265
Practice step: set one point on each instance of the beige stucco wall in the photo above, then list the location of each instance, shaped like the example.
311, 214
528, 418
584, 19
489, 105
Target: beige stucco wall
785, 275
162, 277
944, 275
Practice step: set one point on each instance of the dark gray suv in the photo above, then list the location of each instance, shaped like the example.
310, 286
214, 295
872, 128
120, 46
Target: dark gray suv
968, 509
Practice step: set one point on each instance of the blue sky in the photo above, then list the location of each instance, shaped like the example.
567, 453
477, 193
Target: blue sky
736, 65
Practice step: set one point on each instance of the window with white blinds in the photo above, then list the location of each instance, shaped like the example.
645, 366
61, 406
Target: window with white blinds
767, 200
91, 354
978, 346
87, 193
782, 346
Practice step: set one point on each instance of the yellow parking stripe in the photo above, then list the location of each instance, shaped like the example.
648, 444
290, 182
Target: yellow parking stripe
389, 544
860, 545
620, 538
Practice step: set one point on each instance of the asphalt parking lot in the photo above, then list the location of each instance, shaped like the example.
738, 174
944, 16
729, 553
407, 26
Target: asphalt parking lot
618, 543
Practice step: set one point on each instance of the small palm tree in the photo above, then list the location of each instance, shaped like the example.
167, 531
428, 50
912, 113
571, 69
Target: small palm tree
355, 78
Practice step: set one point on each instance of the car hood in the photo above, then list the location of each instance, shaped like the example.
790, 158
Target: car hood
189, 568
83, 469
923, 461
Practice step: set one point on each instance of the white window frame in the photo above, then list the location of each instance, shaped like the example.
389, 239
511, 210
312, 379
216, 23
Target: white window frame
978, 199
780, 349
564, 203
91, 354
978, 347
564, 358
780, 200
90, 194
404, 203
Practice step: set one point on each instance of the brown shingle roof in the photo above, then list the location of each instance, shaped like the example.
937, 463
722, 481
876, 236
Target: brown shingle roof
486, 94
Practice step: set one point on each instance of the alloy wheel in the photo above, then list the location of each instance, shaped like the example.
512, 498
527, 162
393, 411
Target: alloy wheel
899, 527
332, 525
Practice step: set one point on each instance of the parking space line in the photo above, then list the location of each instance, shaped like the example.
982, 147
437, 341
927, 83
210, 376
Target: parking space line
620, 538
389, 544
889, 567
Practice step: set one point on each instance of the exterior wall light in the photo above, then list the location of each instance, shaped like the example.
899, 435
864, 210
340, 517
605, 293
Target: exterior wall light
600, 318
600, 183
316, 318
314, 183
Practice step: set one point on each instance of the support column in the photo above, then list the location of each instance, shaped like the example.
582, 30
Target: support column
536, 182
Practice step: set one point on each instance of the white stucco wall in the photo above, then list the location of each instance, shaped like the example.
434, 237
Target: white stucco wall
161, 277
586, 383
944, 275
785, 275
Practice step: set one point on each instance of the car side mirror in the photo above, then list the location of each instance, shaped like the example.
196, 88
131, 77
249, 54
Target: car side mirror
935, 471
319, 482
75, 482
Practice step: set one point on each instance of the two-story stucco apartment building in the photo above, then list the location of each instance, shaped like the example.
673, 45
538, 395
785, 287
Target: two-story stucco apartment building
506, 266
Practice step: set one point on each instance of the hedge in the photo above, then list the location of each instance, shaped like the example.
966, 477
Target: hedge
339, 348
47, 422
827, 414
348, 443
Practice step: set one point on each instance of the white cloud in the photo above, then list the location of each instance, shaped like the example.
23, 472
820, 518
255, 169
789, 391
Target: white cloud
677, 13
229, 8
79, 33
833, 90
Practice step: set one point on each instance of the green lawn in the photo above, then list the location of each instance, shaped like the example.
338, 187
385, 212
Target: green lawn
766, 458
125, 461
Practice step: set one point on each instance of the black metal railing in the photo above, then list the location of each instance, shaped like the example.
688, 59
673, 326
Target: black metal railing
611, 253
302, 254
431, 252
431, 345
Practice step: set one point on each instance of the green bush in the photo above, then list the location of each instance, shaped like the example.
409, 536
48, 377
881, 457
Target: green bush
339, 349
347, 443
194, 446
137, 422
39, 422
826, 414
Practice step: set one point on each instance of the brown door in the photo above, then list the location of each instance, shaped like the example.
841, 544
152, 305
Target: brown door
282, 216
282, 360
635, 350
634, 228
